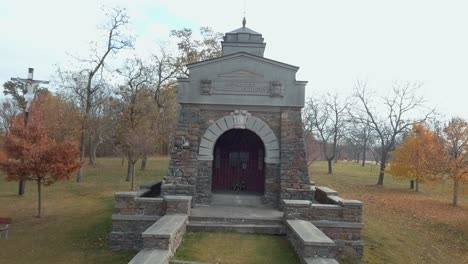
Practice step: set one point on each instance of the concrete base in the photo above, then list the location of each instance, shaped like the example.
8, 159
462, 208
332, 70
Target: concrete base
237, 199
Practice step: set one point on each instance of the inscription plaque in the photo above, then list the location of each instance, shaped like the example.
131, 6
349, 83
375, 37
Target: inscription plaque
241, 87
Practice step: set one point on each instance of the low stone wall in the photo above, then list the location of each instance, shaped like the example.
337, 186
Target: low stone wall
127, 229
134, 213
338, 218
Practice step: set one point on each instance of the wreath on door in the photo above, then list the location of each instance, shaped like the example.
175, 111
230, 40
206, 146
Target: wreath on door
238, 186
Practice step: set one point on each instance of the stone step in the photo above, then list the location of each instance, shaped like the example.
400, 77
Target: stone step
151, 256
237, 220
313, 260
166, 233
273, 229
308, 240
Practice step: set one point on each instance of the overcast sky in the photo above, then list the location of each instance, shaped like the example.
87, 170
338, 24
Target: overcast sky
334, 42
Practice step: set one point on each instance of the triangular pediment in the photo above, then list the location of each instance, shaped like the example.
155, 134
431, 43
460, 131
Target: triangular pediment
241, 74
245, 56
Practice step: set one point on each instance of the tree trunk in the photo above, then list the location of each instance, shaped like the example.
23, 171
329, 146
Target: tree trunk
39, 198
455, 192
92, 154
417, 185
330, 169
383, 163
364, 148
90, 149
143, 163
84, 127
133, 175
123, 160
129, 171
80, 175
363, 158
21, 187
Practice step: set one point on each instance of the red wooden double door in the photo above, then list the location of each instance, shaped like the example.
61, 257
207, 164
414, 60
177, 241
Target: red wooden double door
238, 163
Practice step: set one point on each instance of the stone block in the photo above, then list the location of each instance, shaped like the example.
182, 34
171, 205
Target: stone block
166, 233
206, 144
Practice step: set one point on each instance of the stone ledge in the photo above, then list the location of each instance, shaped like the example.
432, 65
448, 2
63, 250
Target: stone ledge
326, 190
120, 217
309, 234
166, 227
142, 192
177, 198
326, 223
186, 262
314, 260
148, 199
297, 203
326, 206
351, 203
148, 185
151, 256
125, 194
335, 199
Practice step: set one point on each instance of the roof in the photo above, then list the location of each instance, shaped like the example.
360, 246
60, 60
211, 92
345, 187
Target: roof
243, 30
238, 54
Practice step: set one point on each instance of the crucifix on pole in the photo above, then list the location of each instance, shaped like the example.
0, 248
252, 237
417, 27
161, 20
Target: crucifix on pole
30, 84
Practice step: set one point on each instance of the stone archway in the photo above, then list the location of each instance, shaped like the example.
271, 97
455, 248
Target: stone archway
240, 119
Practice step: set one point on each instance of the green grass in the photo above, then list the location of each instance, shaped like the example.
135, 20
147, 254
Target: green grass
402, 226
234, 248
76, 220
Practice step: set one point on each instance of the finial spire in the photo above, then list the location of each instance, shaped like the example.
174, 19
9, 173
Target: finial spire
244, 22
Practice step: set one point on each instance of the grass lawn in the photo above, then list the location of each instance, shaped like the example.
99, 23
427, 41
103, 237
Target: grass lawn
402, 226
76, 220
234, 248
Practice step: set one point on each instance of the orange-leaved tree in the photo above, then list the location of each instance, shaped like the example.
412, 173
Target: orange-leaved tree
421, 156
34, 155
456, 140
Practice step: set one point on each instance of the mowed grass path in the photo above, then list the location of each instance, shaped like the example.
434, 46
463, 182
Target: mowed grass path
402, 226
76, 220
234, 248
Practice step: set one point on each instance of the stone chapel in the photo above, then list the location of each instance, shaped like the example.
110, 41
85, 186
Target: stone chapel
240, 126
238, 165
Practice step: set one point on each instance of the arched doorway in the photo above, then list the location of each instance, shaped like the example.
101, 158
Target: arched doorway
238, 163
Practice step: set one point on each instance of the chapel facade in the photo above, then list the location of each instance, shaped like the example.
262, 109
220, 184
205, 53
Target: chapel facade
240, 127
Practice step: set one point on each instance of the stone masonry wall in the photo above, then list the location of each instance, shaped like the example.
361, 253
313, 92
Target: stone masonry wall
295, 182
338, 218
133, 214
188, 176
183, 166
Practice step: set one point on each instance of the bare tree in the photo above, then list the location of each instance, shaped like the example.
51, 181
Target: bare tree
456, 141
394, 118
325, 118
88, 81
136, 110
312, 149
165, 67
359, 138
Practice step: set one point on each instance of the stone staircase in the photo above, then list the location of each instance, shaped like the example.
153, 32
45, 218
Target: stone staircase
236, 219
